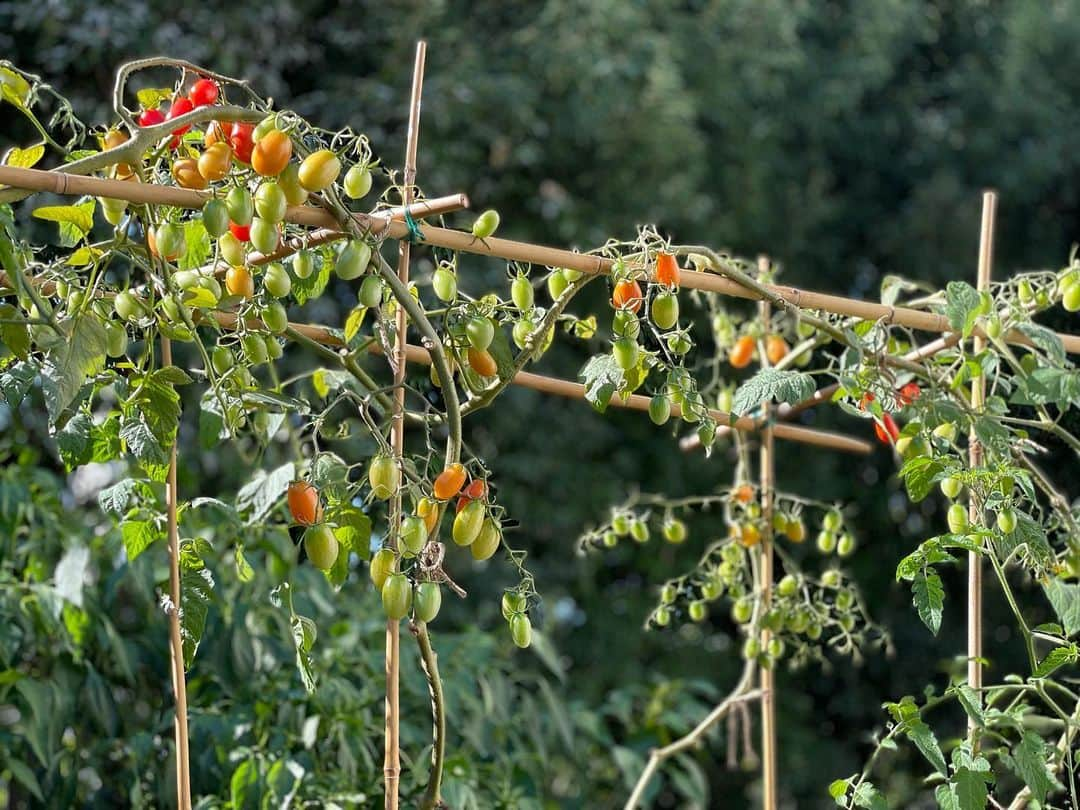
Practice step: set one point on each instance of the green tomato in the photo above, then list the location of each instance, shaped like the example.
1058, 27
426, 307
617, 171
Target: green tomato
679, 343
487, 542
1026, 292
826, 541
845, 546
665, 310
303, 264
468, 523
371, 291
486, 224
845, 600
276, 281
659, 409
273, 347
639, 530
625, 351
186, 279
263, 127
668, 593
674, 530
1070, 297
265, 235
620, 524
222, 359
751, 648
384, 476
513, 603
116, 339
698, 610
396, 597
957, 518
712, 589
521, 293
215, 217
950, 487
788, 586
414, 535
232, 250
170, 241
211, 285
626, 324
609, 539
480, 331
357, 182
832, 578
428, 596
254, 349
521, 630
270, 202
1006, 521
321, 546
662, 616
776, 649
275, 318
353, 260
557, 283
127, 307
444, 282
240, 206
946, 431
521, 332
289, 180
113, 210
383, 563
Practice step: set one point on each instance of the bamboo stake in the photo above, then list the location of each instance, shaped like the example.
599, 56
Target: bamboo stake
975, 457
463, 241
176, 644
768, 676
392, 760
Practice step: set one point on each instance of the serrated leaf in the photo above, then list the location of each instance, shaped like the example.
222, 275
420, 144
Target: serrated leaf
1030, 533
198, 245
919, 474
1045, 386
70, 574
1028, 761
262, 493
117, 499
929, 598
1065, 599
972, 703
16, 336
139, 535
962, 306
16, 89
923, 737
78, 219
602, 377
1045, 339
770, 384
869, 798
69, 364
353, 530
971, 793
105, 440
946, 797
16, 380
196, 587
325, 381
1055, 659
24, 158
73, 441
141, 441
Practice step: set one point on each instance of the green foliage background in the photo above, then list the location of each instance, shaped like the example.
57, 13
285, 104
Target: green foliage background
847, 140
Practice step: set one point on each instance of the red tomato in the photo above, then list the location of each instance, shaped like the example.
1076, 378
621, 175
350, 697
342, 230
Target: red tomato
866, 400
627, 295
462, 502
667, 270
179, 107
240, 139
908, 393
477, 489
887, 432
241, 232
151, 117
203, 93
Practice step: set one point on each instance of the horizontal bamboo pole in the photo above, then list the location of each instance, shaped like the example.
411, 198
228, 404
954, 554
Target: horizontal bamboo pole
61, 183
133, 191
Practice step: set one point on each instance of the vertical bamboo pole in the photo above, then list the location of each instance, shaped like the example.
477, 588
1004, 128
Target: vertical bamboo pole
176, 644
975, 454
768, 678
392, 758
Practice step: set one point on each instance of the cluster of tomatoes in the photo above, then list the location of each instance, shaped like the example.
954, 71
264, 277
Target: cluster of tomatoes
628, 299
626, 523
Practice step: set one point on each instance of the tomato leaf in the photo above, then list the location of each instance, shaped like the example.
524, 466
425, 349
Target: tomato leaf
139, 535
923, 737
1056, 658
1065, 599
962, 306
770, 384
150, 97
603, 377
1045, 339
117, 499
304, 289
919, 474
70, 362
929, 598
198, 245
74, 441
24, 158
75, 221
1028, 761
262, 493
196, 587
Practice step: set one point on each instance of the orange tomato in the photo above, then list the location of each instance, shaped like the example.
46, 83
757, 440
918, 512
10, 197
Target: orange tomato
186, 173
667, 270
271, 154
449, 482
113, 139
742, 352
428, 511
215, 133
476, 489
481, 361
749, 535
215, 162
776, 348
151, 242
627, 295
744, 493
238, 281
304, 503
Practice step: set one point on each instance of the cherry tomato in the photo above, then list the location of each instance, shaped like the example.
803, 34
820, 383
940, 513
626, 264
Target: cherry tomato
371, 292
1070, 297
303, 500
396, 597
276, 320
697, 610
665, 310
674, 530
180, 106
203, 93
667, 270
427, 601
273, 346
413, 536
270, 202
289, 180
742, 352
357, 182
449, 482
187, 175
845, 546
462, 502
319, 170
887, 431
513, 603
639, 530
521, 293
169, 241
428, 511
216, 132
241, 141
116, 339
1006, 521
826, 541
557, 283
480, 331
485, 224
321, 546
957, 518
151, 117
795, 530
744, 493
659, 409
788, 586
627, 295
950, 487
303, 264
626, 353
384, 476
241, 232
222, 360
382, 566
908, 393
482, 362
749, 535
353, 260
238, 281
521, 630
127, 306
776, 349
468, 522
114, 210
276, 281
742, 610
241, 206
254, 349
265, 235
477, 489
114, 139
232, 249
271, 153
215, 162
487, 541
444, 282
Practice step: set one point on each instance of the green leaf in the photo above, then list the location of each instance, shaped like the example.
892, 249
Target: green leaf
868, 797
25, 777
84, 256
1055, 659
74, 441
304, 289
243, 786
972, 703
16, 381
24, 158
602, 377
946, 797
75, 221
16, 336
923, 737
772, 384
117, 499
303, 660
920, 473
198, 245
929, 598
196, 587
139, 535
353, 530
971, 793
262, 493
1030, 533
962, 306
1047, 386
325, 381
1065, 599
1045, 339
16, 89
1028, 761
838, 788
150, 97
141, 441
70, 574
105, 440
244, 571
68, 365
353, 323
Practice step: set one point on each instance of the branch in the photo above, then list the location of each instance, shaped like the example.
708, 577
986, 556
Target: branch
429, 661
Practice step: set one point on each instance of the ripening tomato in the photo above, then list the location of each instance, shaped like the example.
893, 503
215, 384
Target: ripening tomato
487, 542
627, 295
241, 141
319, 170
426, 601
169, 241
384, 476
908, 393
151, 117
203, 93
215, 162
482, 362
238, 281
270, 202
744, 493
776, 349
468, 522
742, 352
382, 566
795, 530
303, 500
396, 597
216, 132
321, 546
449, 482
271, 153
357, 182
289, 180
428, 511
749, 535
477, 489
232, 249
114, 139
180, 106
667, 270
887, 431
185, 172
241, 232
462, 502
